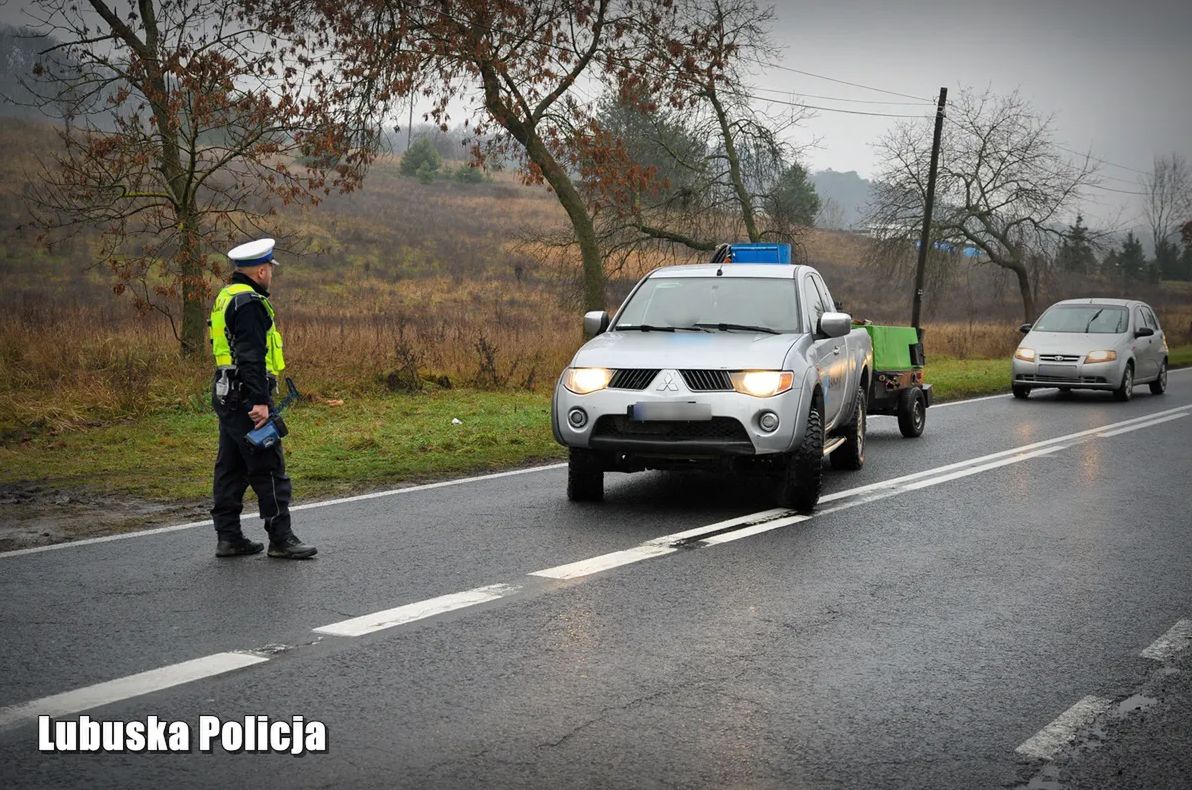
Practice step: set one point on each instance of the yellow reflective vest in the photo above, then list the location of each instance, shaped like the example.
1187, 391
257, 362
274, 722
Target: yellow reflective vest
221, 342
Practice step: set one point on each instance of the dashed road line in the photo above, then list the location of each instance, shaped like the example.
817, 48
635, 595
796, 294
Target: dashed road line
88, 697
1050, 738
1047, 742
1178, 637
420, 610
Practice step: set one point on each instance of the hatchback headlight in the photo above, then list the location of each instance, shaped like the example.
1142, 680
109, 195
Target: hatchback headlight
583, 381
762, 383
1025, 354
1101, 356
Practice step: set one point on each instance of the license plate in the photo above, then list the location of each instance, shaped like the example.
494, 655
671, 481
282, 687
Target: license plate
670, 410
1058, 371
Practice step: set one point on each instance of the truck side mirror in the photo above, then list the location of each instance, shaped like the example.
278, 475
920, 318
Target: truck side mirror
835, 324
1024, 328
595, 323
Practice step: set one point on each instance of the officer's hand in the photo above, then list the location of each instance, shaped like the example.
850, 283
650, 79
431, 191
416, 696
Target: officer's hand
259, 414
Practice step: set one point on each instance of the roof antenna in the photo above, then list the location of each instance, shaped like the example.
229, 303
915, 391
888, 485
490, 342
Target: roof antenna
722, 255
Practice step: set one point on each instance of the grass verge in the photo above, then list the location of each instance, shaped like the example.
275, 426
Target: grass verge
367, 443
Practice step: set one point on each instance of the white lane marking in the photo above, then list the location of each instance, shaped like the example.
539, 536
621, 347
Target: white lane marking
604, 562
1048, 741
1178, 637
756, 529
898, 481
969, 400
307, 506
420, 610
688, 534
973, 470
124, 688
1107, 434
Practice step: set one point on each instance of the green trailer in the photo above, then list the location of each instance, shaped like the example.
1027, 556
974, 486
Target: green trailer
897, 387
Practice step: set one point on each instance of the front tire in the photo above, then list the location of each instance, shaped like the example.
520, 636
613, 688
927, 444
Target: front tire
1126, 391
804, 474
851, 454
585, 476
1159, 385
912, 413
1020, 392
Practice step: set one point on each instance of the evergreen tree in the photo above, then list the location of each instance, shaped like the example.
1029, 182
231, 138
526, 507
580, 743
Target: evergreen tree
1076, 252
422, 160
794, 200
1131, 262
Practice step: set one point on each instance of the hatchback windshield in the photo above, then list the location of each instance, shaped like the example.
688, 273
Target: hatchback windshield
1084, 318
685, 302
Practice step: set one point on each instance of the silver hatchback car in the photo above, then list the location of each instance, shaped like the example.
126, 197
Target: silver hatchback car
1099, 344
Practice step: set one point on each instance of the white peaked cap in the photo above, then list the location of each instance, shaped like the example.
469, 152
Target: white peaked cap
253, 253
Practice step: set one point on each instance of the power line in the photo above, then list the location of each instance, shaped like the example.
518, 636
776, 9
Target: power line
832, 109
844, 82
1103, 161
834, 98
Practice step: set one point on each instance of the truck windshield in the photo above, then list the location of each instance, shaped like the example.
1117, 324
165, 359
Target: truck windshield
683, 302
1084, 319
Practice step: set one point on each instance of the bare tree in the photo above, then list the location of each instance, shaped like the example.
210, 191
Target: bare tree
1003, 187
521, 68
207, 123
1167, 203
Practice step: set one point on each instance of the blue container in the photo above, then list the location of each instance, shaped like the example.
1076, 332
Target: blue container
761, 253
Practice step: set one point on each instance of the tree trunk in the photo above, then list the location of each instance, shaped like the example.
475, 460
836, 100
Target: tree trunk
734, 169
193, 287
1028, 295
581, 221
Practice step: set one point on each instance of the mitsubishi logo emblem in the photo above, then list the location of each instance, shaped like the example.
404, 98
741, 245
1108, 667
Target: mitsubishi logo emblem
668, 383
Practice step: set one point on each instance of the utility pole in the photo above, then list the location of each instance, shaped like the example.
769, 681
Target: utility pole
924, 238
410, 125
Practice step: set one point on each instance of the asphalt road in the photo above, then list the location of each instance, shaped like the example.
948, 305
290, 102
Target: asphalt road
976, 615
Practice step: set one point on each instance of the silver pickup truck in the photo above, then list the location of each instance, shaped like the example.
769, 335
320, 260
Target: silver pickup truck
738, 367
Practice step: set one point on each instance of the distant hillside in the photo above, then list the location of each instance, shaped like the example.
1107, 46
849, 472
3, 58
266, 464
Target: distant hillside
844, 196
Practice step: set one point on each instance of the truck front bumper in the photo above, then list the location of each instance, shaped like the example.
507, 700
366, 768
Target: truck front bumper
602, 421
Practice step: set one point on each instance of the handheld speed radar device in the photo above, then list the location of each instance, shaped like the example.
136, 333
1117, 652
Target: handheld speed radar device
274, 428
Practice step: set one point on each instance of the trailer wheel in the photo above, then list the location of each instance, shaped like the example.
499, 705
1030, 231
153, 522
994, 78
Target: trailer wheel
585, 476
799, 487
912, 413
851, 454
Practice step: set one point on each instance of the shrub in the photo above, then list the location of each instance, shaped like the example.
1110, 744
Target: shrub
422, 154
427, 172
470, 175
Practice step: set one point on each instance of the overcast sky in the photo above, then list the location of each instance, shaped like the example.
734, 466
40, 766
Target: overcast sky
1116, 74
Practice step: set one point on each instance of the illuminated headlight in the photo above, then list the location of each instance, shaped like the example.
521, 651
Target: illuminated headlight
1101, 356
582, 381
762, 383
1025, 354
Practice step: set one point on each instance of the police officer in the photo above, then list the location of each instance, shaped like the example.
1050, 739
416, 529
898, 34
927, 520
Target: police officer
248, 360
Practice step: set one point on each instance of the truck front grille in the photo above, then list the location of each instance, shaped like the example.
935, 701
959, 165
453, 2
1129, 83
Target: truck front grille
707, 380
716, 429
632, 379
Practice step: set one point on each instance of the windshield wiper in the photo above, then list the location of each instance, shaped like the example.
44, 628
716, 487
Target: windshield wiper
652, 328
1089, 325
742, 327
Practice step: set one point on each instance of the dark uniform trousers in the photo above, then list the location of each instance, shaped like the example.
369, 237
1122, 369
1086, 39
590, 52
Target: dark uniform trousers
239, 465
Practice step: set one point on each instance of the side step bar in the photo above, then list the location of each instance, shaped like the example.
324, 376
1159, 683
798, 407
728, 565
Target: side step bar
832, 444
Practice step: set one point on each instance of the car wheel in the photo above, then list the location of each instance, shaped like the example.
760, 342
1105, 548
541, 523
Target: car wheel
1020, 392
1126, 391
851, 454
585, 476
804, 474
912, 413
1159, 385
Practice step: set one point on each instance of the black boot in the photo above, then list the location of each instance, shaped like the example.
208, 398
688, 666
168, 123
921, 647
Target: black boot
291, 548
237, 547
